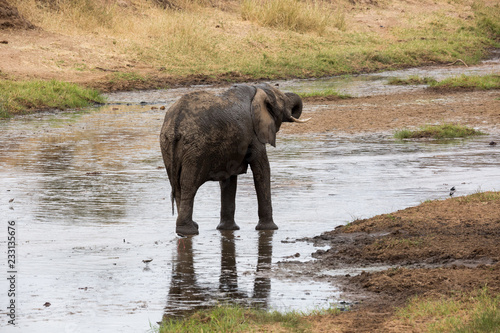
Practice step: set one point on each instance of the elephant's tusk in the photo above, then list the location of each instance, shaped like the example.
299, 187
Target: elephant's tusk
300, 120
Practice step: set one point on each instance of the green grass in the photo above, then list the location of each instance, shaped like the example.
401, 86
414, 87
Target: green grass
231, 318
468, 82
18, 97
444, 131
480, 197
476, 312
325, 93
412, 80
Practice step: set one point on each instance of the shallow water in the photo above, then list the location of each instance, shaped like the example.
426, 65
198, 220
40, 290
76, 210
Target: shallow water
91, 202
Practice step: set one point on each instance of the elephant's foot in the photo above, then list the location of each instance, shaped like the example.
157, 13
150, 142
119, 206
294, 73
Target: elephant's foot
266, 225
187, 229
228, 225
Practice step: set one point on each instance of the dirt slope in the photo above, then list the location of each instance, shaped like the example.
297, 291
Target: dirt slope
11, 19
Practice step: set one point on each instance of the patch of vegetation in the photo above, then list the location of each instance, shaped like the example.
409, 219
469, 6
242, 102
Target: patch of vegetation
279, 39
469, 82
17, 97
412, 80
293, 15
327, 93
487, 19
476, 312
480, 197
438, 132
231, 318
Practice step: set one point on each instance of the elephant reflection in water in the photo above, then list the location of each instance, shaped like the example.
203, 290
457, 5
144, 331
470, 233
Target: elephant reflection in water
186, 295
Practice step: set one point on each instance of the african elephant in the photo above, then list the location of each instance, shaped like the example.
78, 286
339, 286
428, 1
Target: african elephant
215, 137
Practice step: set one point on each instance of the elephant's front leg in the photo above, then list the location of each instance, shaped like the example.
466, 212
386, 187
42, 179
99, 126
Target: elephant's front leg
228, 205
262, 180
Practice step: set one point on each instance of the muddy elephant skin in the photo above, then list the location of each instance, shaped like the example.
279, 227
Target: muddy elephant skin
215, 137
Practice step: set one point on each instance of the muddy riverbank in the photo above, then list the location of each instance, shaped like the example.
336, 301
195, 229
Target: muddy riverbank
387, 113
437, 249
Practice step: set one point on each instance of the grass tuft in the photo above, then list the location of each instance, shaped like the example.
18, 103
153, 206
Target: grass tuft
480, 197
17, 97
476, 312
233, 318
327, 93
445, 131
412, 80
294, 15
468, 82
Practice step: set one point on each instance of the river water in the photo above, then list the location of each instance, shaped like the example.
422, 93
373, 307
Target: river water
91, 202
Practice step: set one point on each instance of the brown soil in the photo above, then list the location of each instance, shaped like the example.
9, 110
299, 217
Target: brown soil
11, 19
442, 246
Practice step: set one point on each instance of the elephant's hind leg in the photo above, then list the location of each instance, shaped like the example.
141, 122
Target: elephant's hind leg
185, 225
228, 206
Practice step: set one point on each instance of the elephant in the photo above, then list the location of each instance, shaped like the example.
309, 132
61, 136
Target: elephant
214, 137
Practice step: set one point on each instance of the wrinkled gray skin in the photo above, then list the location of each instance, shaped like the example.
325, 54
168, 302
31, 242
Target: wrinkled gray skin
215, 137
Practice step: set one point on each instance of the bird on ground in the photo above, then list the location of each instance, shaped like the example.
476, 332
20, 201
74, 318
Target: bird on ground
452, 191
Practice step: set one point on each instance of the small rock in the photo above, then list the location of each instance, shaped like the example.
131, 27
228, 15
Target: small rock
493, 143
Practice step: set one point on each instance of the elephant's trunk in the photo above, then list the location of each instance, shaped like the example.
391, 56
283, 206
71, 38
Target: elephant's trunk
296, 108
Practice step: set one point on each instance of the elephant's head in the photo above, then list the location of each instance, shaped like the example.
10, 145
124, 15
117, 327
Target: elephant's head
271, 107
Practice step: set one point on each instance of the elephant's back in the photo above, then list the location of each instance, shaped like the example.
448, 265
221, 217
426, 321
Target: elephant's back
200, 113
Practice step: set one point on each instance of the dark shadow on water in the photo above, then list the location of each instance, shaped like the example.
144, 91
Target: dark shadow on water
186, 295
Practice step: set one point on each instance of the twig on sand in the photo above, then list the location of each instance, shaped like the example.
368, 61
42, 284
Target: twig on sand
463, 62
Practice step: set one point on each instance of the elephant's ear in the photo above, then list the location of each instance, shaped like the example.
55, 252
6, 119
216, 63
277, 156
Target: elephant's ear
264, 124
